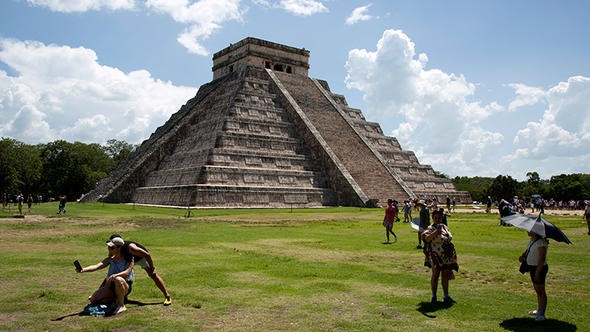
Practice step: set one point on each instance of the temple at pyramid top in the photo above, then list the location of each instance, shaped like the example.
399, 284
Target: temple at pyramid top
260, 53
263, 133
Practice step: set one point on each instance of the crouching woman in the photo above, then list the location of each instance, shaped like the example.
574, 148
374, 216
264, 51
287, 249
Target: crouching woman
119, 279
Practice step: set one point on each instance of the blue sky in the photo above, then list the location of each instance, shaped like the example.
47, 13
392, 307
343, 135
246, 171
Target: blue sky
474, 88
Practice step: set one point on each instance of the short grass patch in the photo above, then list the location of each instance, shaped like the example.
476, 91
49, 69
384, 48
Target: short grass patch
281, 269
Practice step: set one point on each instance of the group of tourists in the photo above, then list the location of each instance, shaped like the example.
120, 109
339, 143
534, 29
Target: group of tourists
122, 258
435, 240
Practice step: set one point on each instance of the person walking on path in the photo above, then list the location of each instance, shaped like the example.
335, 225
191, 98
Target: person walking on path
143, 258
536, 260
390, 215
441, 256
62, 204
117, 284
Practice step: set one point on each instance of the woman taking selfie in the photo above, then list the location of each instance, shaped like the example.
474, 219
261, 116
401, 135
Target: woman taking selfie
440, 255
119, 279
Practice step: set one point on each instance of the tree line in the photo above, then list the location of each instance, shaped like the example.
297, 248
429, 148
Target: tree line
57, 168
564, 187
72, 169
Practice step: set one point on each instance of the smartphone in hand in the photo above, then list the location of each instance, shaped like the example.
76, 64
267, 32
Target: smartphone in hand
77, 265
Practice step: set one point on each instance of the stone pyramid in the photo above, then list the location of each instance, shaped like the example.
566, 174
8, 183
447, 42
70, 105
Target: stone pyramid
265, 134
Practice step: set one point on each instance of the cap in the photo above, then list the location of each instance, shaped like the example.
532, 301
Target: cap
115, 242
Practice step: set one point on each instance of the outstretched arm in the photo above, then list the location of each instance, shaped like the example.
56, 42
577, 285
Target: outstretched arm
105, 262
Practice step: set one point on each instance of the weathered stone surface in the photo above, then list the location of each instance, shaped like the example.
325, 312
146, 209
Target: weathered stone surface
264, 134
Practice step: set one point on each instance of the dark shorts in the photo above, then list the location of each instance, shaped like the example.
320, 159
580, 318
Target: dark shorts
129, 283
543, 275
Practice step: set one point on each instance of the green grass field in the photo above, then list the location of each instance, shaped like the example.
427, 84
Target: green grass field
281, 269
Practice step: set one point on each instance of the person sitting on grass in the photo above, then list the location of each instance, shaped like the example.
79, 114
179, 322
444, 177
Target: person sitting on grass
144, 259
117, 284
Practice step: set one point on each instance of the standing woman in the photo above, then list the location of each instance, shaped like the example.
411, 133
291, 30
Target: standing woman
390, 214
536, 259
440, 254
119, 279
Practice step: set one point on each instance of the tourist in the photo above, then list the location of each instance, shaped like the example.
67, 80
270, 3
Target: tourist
20, 199
29, 202
117, 284
62, 204
424, 221
407, 211
390, 215
535, 257
440, 256
144, 259
587, 215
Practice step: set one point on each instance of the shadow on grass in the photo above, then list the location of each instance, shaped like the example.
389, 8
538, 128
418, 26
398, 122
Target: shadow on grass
529, 324
427, 308
81, 313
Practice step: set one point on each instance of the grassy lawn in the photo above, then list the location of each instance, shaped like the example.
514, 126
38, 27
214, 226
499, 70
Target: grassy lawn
282, 269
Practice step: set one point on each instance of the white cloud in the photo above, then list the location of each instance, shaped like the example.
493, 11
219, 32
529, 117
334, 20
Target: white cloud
69, 6
359, 14
564, 129
60, 92
204, 17
525, 96
436, 119
303, 7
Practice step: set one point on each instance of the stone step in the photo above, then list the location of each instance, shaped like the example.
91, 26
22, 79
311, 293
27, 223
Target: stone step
234, 196
251, 176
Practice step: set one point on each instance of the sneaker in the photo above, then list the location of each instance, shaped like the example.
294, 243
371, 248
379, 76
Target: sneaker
533, 312
433, 300
120, 310
448, 299
418, 247
540, 317
395, 240
168, 300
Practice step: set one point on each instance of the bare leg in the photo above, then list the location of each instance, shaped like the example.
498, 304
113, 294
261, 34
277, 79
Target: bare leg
434, 281
445, 281
541, 297
121, 289
159, 282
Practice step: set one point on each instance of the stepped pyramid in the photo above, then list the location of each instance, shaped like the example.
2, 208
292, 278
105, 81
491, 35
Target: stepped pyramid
265, 134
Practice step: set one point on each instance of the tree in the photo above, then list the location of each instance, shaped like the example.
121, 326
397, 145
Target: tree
21, 167
503, 187
73, 168
476, 186
118, 150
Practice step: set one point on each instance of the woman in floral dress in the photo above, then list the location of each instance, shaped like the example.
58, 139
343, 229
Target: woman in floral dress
440, 254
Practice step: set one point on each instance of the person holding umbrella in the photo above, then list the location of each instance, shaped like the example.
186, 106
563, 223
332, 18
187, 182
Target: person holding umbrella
536, 258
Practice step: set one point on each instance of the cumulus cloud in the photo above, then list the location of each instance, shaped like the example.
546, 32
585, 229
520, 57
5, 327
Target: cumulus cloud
435, 116
564, 129
70, 6
203, 18
303, 7
60, 92
359, 14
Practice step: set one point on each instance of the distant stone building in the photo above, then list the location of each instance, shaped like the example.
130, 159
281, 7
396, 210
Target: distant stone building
264, 134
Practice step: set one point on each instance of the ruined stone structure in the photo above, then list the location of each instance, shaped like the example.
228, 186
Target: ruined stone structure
264, 134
